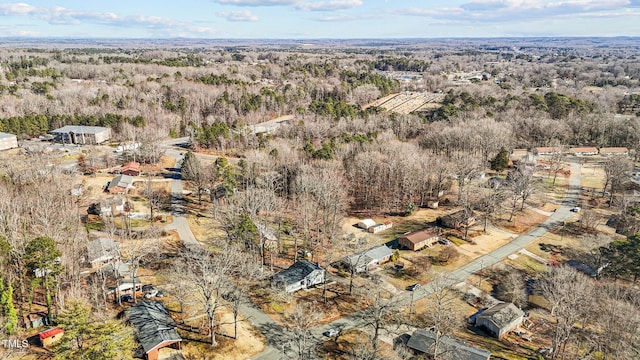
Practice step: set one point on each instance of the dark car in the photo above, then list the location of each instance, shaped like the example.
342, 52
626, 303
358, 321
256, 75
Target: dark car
147, 287
125, 298
413, 287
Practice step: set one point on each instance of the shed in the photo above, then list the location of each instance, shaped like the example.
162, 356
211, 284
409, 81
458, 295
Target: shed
155, 328
500, 319
366, 223
423, 341
49, 337
418, 239
301, 275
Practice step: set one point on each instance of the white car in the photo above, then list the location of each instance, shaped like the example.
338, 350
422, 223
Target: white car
151, 294
576, 209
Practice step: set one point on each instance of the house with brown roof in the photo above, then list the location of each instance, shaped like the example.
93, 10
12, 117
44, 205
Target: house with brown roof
500, 319
583, 151
131, 168
606, 151
546, 150
459, 219
419, 239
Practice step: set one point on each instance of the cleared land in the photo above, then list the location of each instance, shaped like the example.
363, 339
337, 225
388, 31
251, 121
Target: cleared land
408, 102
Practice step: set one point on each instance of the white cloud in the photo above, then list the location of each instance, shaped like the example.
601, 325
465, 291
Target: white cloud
16, 9
242, 15
516, 10
331, 5
256, 2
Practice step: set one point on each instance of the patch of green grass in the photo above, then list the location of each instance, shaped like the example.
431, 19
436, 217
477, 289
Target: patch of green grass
456, 240
94, 226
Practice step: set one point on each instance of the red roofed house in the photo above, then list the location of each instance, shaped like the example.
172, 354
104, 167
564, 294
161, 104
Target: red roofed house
49, 337
416, 240
614, 151
583, 151
131, 168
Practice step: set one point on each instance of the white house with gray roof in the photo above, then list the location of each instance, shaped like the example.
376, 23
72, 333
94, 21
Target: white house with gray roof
80, 134
500, 319
367, 260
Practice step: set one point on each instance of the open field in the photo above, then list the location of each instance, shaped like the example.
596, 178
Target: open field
408, 102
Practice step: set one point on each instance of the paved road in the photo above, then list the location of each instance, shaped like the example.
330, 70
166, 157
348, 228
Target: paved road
492, 258
277, 336
180, 223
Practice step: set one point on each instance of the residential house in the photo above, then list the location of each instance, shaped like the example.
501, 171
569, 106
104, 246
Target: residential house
500, 319
459, 219
120, 184
419, 239
422, 342
154, 326
583, 151
367, 260
49, 337
112, 205
8, 141
614, 151
131, 168
366, 223
79, 134
102, 251
546, 150
301, 275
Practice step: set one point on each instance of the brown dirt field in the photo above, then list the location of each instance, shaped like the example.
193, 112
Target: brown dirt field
339, 302
522, 222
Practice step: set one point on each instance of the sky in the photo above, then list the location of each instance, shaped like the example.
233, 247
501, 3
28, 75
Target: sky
317, 19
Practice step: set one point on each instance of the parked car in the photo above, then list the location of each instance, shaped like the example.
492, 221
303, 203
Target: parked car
444, 241
160, 294
330, 333
124, 298
147, 287
151, 294
413, 287
576, 209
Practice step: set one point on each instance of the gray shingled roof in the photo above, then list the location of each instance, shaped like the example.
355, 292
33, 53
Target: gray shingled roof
79, 129
364, 258
121, 180
450, 349
153, 323
296, 272
102, 248
502, 314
